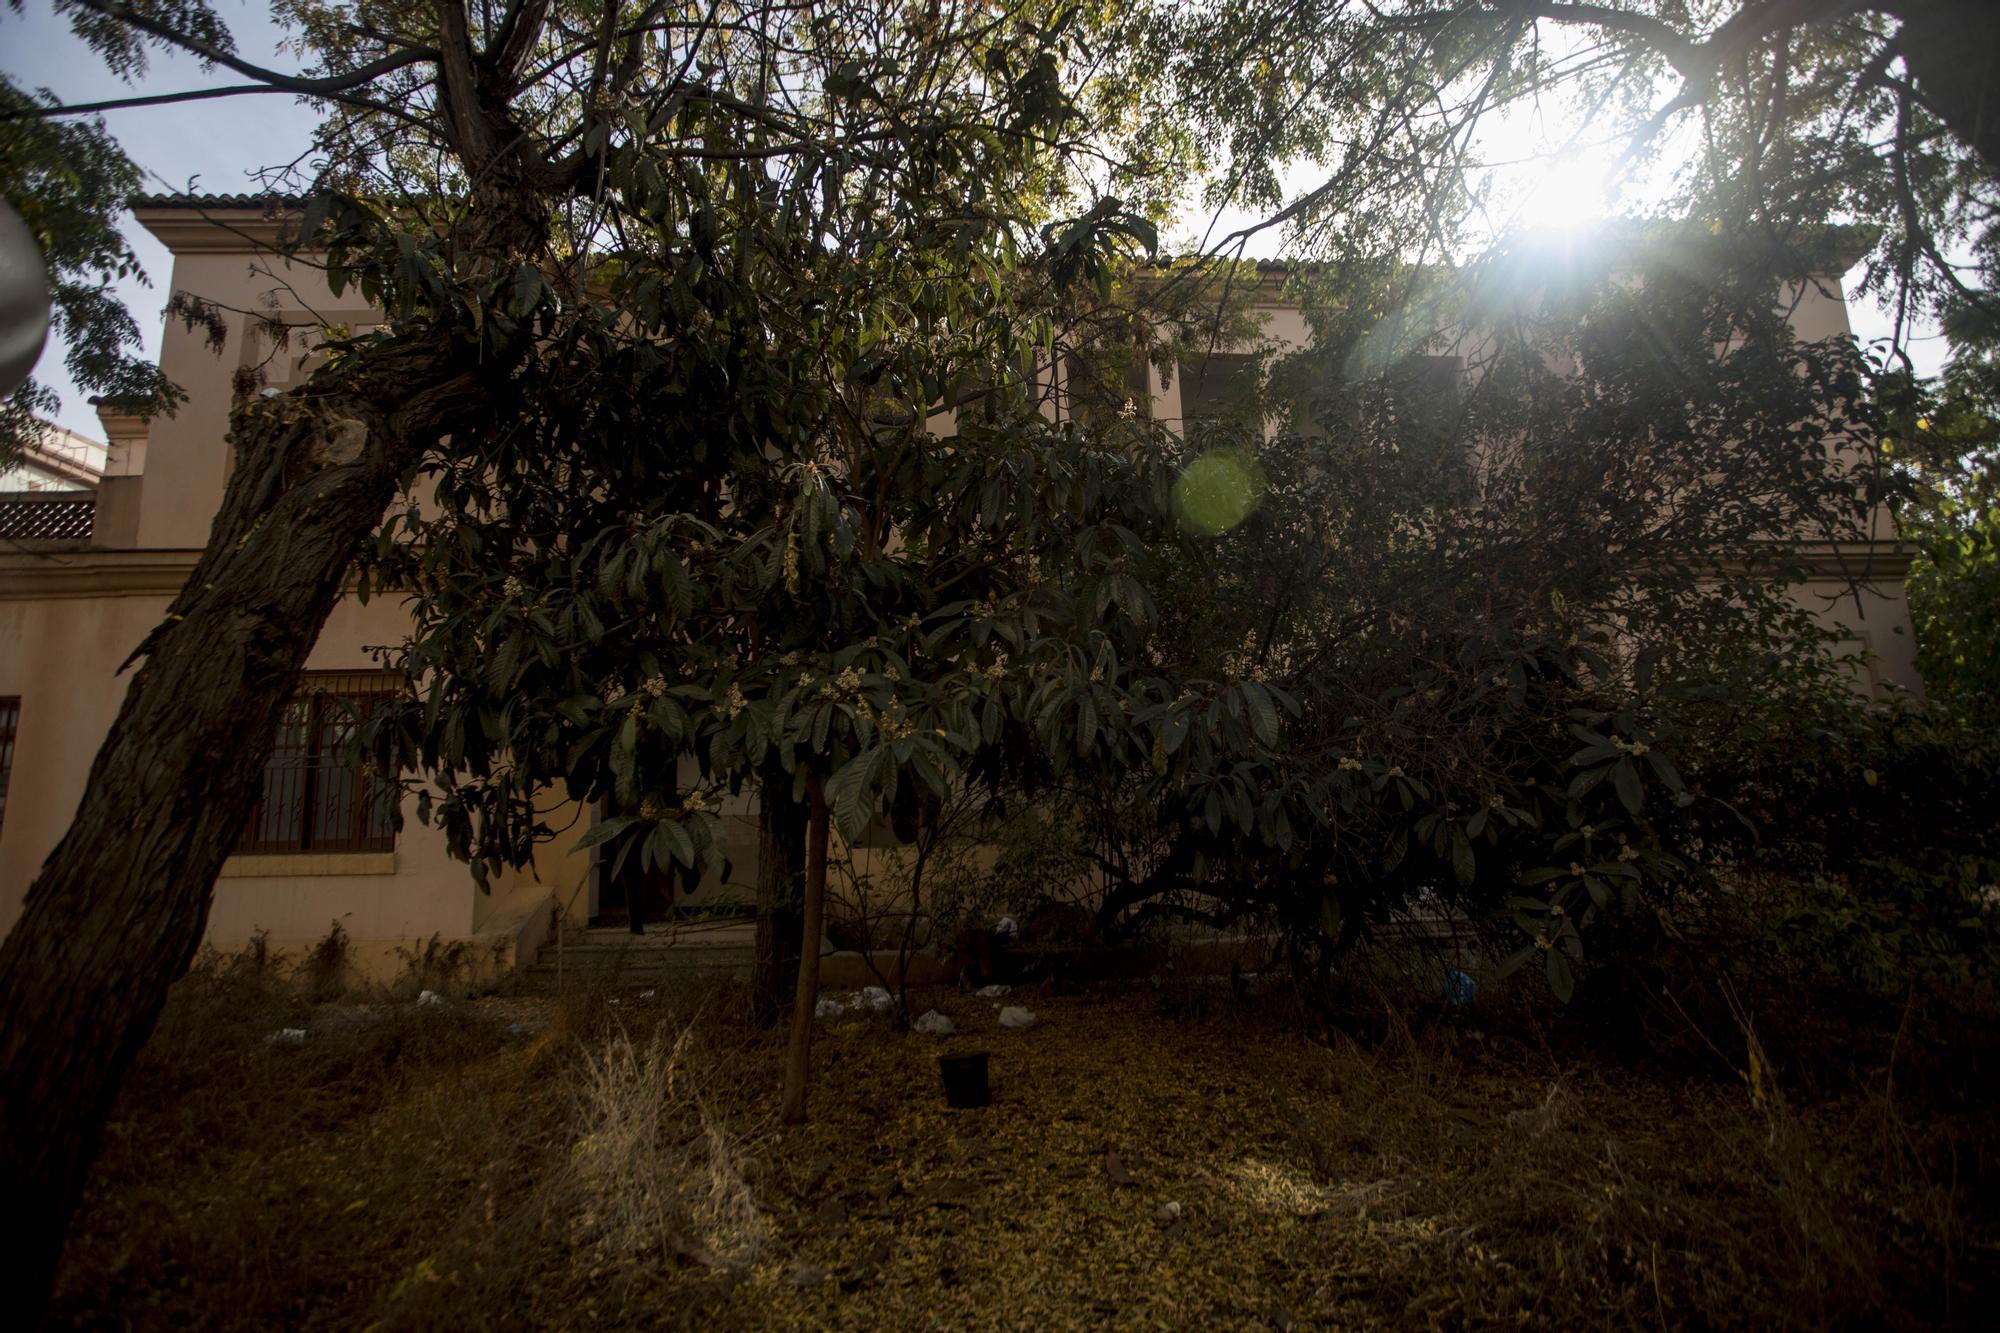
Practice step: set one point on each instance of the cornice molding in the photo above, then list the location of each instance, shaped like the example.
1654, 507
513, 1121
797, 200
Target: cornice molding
1861, 562
32, 576
29, 574
191, 230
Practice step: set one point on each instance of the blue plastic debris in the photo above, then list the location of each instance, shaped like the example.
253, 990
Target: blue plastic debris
1458, 987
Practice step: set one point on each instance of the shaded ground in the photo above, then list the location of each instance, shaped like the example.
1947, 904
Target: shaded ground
1152, 1159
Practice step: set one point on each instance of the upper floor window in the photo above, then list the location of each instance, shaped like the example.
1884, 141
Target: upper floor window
318, 794
1221, 389
1426, 393
1106, 385
10, 723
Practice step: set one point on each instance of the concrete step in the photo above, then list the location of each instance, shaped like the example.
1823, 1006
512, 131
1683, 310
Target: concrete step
615, 955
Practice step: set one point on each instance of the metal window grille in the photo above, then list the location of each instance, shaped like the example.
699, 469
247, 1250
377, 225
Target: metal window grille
319, 795
10, 725
62, 516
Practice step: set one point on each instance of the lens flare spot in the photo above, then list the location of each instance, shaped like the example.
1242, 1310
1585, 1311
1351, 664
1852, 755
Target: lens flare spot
1219, 490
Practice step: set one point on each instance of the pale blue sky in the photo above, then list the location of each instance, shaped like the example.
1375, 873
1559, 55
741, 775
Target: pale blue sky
213, 146
218, 145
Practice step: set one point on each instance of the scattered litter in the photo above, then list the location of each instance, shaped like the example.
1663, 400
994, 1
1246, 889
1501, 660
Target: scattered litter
1459, 988
934, 1024
646, 994
1006, 925
1013, 1016
1169, 1211
869, 1000
430, 997
287, 1037
993, 992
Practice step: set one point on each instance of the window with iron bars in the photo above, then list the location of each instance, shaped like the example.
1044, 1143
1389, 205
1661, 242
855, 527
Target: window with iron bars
10, 725
318, 794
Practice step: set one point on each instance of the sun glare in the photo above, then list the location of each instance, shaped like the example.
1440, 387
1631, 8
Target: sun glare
1563, 192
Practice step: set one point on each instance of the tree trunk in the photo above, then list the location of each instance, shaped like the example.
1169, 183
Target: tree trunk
781, 864
799, 1052
120, 906
1952, 49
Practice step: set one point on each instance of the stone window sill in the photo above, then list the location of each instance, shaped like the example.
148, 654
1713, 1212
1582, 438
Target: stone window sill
289, 864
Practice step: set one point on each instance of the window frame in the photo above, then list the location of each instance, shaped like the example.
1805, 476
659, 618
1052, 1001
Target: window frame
299, 769
10, 735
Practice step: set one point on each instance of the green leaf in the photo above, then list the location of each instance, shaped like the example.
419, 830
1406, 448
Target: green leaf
605, 830
1462, 865
1263, 713
625, 761
1561, 980
1625, 779
1663, 768
847, 794
679, 843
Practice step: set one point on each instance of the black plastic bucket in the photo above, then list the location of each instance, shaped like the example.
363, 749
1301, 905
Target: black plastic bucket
965, 1083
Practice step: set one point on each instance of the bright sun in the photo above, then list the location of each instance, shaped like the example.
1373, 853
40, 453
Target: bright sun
1559, 193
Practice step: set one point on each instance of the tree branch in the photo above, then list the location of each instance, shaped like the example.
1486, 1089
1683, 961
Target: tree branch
327, 86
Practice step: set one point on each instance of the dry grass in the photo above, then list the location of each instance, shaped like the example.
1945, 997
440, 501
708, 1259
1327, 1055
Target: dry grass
1173, 1158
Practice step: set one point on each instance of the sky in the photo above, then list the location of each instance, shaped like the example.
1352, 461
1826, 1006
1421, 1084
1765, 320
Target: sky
216, 146
211, 146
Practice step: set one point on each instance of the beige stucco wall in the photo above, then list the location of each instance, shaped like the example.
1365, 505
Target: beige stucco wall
59, 654
64, 632
185, 457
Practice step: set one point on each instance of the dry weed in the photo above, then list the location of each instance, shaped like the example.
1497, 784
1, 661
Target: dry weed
653, 1170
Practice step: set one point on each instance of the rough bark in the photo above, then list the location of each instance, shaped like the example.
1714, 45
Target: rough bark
798, 1052
1952, 49
120, 906
116, 913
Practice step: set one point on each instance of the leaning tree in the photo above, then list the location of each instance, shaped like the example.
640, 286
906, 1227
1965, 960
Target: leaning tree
471, 154
478, 162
